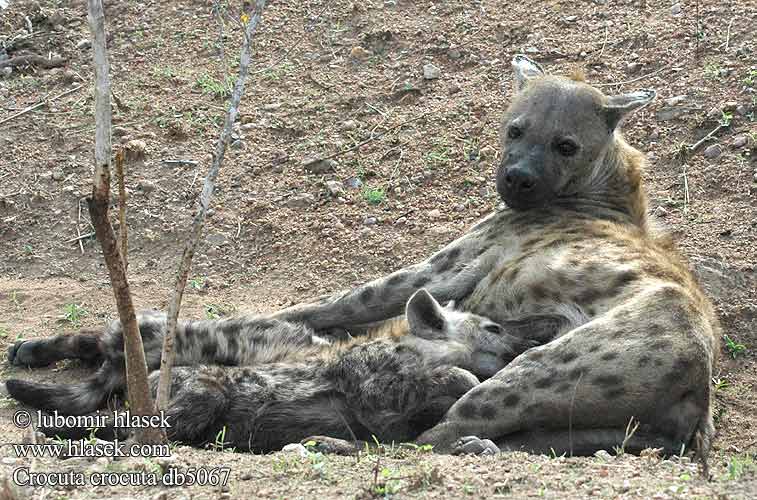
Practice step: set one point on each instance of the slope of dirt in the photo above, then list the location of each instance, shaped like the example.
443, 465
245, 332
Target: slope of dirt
327, 77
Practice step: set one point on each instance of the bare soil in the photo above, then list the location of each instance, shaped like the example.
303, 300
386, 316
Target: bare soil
328, 76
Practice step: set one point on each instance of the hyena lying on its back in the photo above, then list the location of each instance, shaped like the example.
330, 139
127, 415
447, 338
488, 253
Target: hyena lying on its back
393, 384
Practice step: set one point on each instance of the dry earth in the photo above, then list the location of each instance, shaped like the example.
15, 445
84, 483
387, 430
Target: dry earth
328, 76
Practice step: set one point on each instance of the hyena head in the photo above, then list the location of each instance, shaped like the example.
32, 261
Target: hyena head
559, 141
459, 338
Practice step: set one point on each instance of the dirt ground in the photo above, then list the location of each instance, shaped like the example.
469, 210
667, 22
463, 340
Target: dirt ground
326, 77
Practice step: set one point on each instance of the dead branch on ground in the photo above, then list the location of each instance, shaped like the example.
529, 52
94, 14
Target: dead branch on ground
167, 357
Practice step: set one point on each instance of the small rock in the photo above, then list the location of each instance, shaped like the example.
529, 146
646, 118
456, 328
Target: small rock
754, 177
57, 174
431, 72
487, 153
370, 221
633, 67
730, 106
84, 44
740, 141
435, 213
6, 71
713, 151
571, 19
625, 487
146, 186
163, 495
217, 239
335, 188
742, 110
296, 448
320, 166
9, 460
660, 211
360, 53
676, 9
301, 200
672, 101
454, 54
349, 125
603, 455
245, 476
237, 144
135, 150
714, 113
453, 88
353, 183
272, 106
120, 131
401, 221
654, 135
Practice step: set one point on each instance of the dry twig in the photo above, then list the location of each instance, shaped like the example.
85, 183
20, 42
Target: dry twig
40, 104
168, 354
34, 59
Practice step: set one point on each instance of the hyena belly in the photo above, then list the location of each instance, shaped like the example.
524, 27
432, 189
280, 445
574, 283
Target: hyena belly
233, 342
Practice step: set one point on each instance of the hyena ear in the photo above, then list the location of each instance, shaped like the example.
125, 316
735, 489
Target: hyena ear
618, 106
424, 314
525, 70
450, 306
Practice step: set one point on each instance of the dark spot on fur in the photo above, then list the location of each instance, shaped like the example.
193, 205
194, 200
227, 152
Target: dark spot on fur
535, 355
467, 409
614, 393
594, 348
263, 324
643, 361
443, 267
577, 372
511, 400
488, 411
420, 281
149, 331
366, 294
621, 280
656, 330
608, 356
544, 382
539, 292
588, 295
567, 357
395, 279
564, 387
209, 350
607, 380
659, 345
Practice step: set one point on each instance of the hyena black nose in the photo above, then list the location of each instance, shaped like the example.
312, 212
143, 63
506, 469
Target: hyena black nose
519, 180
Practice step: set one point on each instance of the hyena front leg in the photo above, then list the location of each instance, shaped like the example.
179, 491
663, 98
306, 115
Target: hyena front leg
646, 360
449, 275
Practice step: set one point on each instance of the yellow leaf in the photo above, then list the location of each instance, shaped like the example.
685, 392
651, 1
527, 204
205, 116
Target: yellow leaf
245, 18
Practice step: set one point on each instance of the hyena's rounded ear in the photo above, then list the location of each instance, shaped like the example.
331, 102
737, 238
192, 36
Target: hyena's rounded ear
524, 70
619, 106
450, 306
424, 313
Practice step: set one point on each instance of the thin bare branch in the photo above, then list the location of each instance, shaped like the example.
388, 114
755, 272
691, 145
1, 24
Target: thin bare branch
122, 230
167, 358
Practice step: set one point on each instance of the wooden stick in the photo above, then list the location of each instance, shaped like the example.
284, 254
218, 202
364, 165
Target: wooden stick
168, 354
39, 104
140, 402
707, 137
634, 80
122, 229
35, 59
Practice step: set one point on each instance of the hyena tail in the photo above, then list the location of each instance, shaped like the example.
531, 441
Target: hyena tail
71, 399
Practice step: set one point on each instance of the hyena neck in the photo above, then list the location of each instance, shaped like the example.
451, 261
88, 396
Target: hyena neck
614, 190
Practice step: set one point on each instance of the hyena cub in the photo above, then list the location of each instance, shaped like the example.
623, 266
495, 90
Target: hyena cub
288, 383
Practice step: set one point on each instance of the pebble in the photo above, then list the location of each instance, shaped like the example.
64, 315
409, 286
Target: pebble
296, 448
401, 221
714, 113
435, 213
84, 44
603, 455
672, 101
571, 19
163, 495
676, 9
431, 72
320, 166
454, 54
633, 67
335, 188
353, 183
57, 174
740, 141
742, 110
359, 52
660, 211
654, 135
713, 151
349, 125
625, 487
301, 200
369, 221
6, 71
9, 460
120, 131
146, 186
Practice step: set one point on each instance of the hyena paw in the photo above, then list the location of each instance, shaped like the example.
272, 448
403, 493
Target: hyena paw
22, 353
332, 446
472, 445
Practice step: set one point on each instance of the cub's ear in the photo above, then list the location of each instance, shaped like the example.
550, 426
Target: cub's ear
525, 70
424, 314
619, 106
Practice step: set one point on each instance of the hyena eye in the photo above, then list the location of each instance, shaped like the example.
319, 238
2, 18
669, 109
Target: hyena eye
493, 328
514, 131
567, 148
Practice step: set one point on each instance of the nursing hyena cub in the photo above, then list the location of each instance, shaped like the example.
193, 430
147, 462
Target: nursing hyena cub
287, 383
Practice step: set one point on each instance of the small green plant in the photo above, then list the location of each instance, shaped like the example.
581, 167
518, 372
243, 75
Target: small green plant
725, 118
438, 155
737, 466
215, 311
750, 78
217, 88
720, 383
4, 332
630, 431
220, 441
197, 283
712, 71
73, 313
28, 250
734, 348
373, 196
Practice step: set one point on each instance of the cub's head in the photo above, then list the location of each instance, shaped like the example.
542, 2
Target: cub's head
459, 338
555, 137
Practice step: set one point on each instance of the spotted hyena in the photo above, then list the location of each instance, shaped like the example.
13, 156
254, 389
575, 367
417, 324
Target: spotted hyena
286, 383
632, 335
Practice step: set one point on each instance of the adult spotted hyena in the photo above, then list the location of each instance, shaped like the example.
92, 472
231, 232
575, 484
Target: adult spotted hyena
287, 383
639, 337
